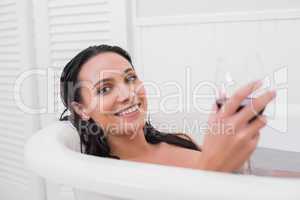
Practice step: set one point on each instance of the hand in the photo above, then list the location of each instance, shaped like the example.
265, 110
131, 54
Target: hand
230, 138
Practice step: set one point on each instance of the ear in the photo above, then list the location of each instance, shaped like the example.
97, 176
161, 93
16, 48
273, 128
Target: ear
80, 110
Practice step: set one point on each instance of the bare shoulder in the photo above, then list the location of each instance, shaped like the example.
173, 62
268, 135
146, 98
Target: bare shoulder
183, 157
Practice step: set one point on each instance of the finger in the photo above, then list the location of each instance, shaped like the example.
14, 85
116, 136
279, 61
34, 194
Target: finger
222, 94
253, 143
255, 137
249, 149
254, 108
251, 130
234, 102
214, 110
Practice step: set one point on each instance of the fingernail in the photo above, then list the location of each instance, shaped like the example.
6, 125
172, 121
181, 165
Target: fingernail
273, 93
264, 119
259, 82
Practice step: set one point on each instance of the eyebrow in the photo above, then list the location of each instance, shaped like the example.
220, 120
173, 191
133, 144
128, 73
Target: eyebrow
108, 79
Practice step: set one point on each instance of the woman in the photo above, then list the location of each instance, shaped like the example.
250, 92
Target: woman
108, 106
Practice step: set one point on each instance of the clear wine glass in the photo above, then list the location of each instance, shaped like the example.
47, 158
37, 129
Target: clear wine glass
226, 84
254, 69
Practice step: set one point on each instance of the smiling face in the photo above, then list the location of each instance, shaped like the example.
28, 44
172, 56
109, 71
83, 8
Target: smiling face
111, 94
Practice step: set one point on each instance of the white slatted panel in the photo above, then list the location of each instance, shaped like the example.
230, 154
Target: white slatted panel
12, 136
16, 182
73, 26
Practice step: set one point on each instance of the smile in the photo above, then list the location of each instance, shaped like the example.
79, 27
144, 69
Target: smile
128, 111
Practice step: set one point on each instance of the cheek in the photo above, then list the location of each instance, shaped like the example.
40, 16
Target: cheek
141, 93
96, 103
140, 89
103, 109
87, 96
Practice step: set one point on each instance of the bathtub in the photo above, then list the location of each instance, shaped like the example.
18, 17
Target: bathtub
53, 154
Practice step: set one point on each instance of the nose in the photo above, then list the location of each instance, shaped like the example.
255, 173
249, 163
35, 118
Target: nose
125, 93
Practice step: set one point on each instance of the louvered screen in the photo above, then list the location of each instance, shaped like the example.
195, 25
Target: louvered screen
12, 131
73, 26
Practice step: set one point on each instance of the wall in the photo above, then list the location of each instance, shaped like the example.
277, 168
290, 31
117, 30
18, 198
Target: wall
183, 45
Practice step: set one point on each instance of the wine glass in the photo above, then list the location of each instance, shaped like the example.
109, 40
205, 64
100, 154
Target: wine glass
226, 84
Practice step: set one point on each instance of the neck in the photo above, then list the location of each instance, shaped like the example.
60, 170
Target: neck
129, 146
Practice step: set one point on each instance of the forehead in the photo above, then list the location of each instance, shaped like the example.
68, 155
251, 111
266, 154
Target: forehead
103, 65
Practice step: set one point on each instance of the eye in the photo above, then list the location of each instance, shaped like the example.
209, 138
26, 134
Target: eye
104, 90
131, 78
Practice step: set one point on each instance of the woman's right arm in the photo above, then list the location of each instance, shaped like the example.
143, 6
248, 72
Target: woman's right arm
230, 139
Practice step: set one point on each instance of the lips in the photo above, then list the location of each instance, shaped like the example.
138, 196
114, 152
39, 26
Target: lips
129, 110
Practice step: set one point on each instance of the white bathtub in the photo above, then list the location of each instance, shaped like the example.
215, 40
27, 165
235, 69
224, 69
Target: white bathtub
53, 153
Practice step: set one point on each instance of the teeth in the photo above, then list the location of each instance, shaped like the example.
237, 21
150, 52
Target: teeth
130, 110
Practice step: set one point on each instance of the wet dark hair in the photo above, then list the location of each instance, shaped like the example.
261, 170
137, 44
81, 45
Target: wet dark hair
92, 137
